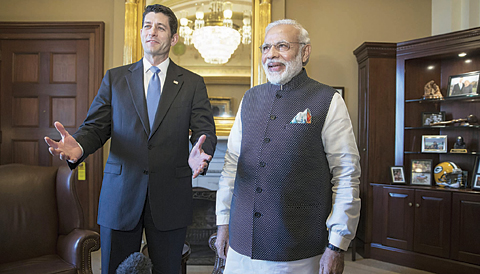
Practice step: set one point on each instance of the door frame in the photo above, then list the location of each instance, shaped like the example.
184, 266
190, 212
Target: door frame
94, 32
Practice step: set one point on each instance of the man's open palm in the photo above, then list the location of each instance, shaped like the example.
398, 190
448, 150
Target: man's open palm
67, 148
198, 159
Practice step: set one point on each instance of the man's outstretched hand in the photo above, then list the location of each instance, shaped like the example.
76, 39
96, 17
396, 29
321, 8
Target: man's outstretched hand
198, 159
67, 148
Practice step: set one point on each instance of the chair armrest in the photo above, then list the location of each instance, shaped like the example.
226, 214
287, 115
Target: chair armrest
219, 262
76, 248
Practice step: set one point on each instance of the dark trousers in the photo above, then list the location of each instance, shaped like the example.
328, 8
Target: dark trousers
164, 247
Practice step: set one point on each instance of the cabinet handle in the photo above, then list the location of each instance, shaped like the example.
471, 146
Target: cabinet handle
410, 204
417, 205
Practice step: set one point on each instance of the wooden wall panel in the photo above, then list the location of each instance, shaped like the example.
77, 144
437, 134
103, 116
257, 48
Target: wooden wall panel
25, 67
63, 109
25, 112
63, 68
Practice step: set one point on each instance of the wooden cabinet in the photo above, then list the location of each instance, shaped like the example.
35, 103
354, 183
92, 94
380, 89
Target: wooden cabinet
429, 229
376, 115
465, 227
424, 227
432, 222
417, 220
436, 58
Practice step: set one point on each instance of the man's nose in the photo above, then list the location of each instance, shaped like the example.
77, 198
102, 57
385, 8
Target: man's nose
153, 31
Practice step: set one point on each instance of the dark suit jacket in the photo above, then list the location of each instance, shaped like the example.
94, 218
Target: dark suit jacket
457, 90
141, 159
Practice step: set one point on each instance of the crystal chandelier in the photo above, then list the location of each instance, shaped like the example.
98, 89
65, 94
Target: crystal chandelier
216, 37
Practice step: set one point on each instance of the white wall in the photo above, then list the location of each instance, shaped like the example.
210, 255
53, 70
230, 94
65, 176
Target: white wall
454, 15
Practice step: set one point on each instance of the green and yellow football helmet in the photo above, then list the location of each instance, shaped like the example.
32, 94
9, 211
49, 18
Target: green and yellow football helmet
448, 174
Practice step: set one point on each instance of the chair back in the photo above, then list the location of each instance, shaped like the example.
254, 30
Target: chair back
29, 220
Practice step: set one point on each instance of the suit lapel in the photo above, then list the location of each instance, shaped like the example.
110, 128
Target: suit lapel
170, 89
135, 85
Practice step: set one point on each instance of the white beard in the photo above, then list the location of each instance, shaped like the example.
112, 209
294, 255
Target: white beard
292, 68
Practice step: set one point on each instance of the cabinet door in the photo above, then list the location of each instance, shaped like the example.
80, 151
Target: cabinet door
432, 222
398, 218
465, 227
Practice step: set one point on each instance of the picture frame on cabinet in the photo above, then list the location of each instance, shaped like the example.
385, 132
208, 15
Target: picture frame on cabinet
398, 176
421, 172
464, 84
434, 143
476, 175
432, 117
340, 90
476, 182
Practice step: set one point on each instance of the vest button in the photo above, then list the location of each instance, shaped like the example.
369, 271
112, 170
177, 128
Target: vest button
266, 140
150, 147
259, 190
278, 96
262, 164
258, 214
273, 117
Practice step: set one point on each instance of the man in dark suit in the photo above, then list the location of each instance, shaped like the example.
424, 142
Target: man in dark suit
148, 174
458, 88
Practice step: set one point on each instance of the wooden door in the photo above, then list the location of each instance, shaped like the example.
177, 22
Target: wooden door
465, 227
49, 72
432, 222
43, 81
398, 217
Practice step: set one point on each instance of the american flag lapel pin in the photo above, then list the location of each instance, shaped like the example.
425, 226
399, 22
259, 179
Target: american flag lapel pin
175, 82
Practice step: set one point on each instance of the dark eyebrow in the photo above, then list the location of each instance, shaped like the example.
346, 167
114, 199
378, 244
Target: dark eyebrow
150, 23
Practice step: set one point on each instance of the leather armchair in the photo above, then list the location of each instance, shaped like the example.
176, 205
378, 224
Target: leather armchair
41, 222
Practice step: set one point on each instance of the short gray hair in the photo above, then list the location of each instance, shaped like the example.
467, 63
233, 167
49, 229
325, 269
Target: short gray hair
302, 37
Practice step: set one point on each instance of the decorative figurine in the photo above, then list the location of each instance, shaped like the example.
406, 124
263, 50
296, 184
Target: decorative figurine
459, 146
432, 91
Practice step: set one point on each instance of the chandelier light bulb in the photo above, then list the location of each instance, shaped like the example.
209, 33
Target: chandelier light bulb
199, 14
183, 22
227, 10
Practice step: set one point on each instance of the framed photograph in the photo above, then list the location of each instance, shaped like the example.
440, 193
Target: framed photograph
463, 84
476, 182
340, 90
421, 172
221, 106
432, 117
476, 175
434, 143
398, 177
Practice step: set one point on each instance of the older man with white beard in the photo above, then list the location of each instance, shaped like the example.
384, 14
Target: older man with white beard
288, 198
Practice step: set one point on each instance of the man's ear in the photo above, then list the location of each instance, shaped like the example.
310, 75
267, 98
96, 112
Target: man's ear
307, 49
174, 40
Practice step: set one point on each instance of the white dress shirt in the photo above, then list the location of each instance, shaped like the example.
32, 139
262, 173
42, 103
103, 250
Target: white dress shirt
343, 159
147, 74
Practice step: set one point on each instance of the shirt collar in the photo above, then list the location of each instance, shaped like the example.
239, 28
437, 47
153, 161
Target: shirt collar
163, 65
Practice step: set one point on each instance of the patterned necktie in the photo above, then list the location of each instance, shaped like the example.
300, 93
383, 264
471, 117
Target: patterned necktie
153, 95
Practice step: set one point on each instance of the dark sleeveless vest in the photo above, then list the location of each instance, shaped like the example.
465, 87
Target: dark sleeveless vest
282, 195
